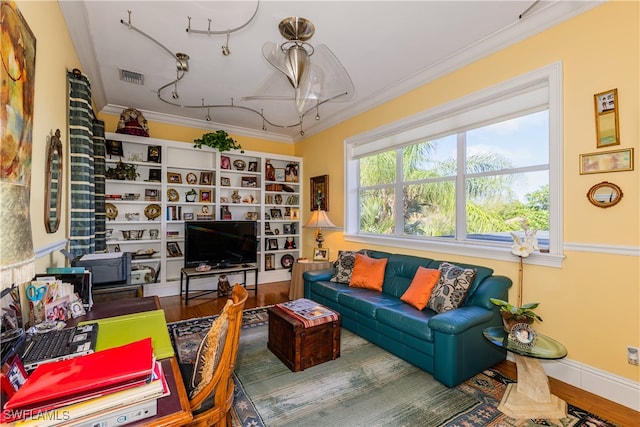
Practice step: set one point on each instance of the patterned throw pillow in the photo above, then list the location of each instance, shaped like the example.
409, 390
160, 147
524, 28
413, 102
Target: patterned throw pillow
209, 351
344, 265
452, 287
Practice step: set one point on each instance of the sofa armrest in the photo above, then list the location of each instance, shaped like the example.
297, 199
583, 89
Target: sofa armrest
491, 287
317, 275
454, 322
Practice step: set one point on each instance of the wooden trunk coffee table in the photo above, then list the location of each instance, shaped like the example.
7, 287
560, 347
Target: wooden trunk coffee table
301, 342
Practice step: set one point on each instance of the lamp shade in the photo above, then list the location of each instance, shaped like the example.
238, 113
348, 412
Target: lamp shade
319, 219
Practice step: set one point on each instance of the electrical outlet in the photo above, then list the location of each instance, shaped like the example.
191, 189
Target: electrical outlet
632, 355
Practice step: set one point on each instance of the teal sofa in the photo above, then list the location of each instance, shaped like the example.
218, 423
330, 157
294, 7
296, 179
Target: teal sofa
449, 345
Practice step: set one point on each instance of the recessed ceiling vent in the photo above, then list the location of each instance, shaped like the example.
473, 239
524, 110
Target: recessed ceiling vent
131, 77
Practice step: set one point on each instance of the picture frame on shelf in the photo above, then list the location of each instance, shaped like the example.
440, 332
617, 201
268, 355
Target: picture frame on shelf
206, 178
275, 213
606, 161
224, 181
272, 244
606, 115
295, 214
280, 174
291, 172
174, 178
188, 216
253, 167
155, 175
249, 181
151, 195
320, 254
286, 228
173, 250
114, 148
225, 162
269, 262
205, 196
253, 216
192, 178
154, 153
319, 194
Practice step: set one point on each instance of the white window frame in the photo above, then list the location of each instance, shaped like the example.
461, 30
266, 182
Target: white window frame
504, 99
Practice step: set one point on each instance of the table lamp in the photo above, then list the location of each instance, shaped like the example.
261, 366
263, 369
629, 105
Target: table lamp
319, 220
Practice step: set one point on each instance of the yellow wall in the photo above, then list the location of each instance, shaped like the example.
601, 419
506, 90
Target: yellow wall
591, 304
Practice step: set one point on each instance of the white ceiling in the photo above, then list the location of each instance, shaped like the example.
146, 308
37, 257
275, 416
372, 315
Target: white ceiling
387, 47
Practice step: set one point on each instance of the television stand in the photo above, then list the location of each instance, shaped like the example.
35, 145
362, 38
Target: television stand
189, 273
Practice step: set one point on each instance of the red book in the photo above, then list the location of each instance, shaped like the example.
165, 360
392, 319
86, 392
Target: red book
56, 384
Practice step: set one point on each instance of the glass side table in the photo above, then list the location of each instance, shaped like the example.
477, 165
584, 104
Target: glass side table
530, 397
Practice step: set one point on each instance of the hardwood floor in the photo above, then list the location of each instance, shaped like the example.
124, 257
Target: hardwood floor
273, 293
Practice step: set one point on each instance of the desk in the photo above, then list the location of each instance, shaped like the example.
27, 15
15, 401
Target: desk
173, 410
189, 273
530, 397
296, 289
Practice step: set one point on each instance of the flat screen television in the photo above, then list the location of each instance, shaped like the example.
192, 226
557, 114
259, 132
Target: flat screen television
220, 243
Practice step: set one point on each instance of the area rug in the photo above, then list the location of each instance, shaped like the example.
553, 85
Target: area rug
366, 386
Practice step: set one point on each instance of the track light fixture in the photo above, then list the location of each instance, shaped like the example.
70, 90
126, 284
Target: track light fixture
313, 82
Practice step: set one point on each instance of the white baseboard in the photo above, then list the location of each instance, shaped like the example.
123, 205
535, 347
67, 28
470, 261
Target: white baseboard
602, 383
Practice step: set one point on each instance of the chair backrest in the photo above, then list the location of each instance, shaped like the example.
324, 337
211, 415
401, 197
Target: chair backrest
213, 398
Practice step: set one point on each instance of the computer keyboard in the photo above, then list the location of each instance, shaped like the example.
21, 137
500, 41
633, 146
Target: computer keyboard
49, 345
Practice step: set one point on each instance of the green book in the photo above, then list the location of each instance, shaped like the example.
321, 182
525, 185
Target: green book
121, 330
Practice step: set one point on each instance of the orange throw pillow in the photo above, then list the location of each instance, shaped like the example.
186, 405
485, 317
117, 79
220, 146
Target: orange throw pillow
419, 291
368, 273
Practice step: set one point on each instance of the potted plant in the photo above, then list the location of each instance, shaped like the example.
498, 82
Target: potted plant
122, 171
512, 314
219, 140
191, 195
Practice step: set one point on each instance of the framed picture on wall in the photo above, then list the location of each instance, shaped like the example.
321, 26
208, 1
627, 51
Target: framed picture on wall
319, 193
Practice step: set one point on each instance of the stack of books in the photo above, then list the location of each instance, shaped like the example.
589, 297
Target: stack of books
110, 387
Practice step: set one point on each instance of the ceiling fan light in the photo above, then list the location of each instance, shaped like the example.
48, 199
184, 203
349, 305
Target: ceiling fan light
297, 63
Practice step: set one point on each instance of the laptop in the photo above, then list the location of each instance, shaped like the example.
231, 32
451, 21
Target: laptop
55, 345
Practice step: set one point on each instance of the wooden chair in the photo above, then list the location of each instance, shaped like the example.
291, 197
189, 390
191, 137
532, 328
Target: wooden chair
210, 385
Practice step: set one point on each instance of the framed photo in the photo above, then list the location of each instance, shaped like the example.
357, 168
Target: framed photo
320, 193
291, 172
253, 216
151, 195
606, 109
153, 153
188, 216
192, 178
114, 148
280, 174
272, 244
606, 161
275, 213
206, 178
173, 249
286, 228
320, 254
155, 175
174, 178
58, 309
295, 213
253, 167
249, 181
205, 196
225, 181
225, 162
270, 262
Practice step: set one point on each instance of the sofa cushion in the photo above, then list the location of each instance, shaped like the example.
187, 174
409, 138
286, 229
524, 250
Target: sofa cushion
419, 292
330, 290
366, 302
344, 265
452, 287
368, 273
407, 320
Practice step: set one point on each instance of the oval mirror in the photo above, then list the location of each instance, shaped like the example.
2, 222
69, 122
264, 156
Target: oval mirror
53, 184
604, 194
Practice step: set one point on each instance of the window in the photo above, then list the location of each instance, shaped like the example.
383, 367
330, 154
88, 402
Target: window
449, 179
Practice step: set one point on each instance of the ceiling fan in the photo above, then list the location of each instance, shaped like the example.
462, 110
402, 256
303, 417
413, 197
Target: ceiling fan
314, 74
